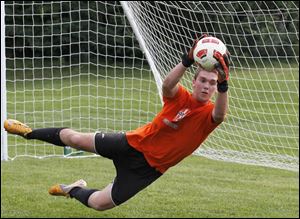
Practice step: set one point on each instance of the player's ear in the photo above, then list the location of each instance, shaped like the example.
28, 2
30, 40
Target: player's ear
194, 82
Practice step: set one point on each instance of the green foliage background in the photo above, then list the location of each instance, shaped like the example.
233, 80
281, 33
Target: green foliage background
251, 25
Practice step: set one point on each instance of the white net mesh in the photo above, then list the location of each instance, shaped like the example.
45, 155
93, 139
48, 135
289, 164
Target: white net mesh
74, 64
78, 64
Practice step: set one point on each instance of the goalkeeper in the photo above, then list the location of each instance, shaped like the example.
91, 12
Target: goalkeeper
143, 155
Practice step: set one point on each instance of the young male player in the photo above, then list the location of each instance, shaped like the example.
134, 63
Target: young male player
141, 156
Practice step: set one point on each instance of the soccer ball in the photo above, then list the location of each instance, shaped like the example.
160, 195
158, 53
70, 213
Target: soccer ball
204, 52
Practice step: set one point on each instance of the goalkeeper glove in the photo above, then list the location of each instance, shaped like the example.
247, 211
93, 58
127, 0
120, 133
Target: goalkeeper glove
188, 58
222, 68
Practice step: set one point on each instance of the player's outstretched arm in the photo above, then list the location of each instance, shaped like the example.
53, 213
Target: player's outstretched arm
170, 84
221, 103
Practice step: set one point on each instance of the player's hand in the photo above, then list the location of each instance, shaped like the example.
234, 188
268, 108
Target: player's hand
188, 59
222, 66
196, 40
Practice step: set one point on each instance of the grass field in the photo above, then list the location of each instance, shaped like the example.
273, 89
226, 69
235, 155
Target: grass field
197, 187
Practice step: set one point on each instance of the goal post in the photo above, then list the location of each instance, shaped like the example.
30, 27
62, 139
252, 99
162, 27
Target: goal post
142, 44
4, 155
99, 65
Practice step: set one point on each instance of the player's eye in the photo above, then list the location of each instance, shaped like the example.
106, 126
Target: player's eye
202, 80
213, 83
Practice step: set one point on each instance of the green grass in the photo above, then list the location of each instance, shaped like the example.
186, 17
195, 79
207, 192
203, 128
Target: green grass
197, 188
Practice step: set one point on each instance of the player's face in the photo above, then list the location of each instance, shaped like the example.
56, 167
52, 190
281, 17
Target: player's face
205, 85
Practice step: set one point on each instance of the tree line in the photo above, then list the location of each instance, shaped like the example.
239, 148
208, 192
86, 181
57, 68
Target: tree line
75, 29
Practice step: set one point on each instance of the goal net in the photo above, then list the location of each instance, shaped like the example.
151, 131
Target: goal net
99, 66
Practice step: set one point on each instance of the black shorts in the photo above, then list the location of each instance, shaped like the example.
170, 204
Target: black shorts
133, 171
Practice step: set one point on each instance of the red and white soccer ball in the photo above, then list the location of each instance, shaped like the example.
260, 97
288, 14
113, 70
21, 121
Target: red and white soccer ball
205, 50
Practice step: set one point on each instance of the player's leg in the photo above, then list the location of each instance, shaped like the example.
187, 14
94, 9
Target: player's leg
93, 198
56, 136
133, 172
78, 140
102, 200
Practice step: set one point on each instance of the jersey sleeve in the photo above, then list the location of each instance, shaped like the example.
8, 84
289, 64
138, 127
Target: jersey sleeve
180, 93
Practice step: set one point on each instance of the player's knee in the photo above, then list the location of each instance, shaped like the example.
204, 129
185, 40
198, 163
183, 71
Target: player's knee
100, 208
103, 206
75, 139
101, 201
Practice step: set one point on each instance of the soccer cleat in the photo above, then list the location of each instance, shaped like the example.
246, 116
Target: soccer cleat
64, 190
15, 127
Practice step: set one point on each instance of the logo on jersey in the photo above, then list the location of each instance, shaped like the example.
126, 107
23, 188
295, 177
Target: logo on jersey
181, 114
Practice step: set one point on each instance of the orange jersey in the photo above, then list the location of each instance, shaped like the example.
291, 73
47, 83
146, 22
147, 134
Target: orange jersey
176, 132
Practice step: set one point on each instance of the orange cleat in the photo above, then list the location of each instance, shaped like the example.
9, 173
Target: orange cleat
13, 126
63, 190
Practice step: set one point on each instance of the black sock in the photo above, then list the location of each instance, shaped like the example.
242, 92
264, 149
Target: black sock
50, 135
82, 194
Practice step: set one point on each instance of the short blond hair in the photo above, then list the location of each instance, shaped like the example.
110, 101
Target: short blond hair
199, 69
